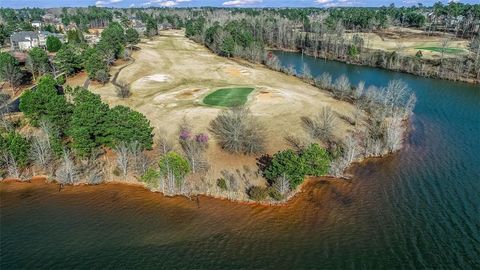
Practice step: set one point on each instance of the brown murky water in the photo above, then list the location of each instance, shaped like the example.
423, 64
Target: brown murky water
419, 208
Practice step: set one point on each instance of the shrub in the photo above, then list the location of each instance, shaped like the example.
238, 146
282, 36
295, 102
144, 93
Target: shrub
150, 177
419, 54
61, 80
314, 161
238, 132
175, 167
102, 76
275, 194
258, 193
222, 184
123, 90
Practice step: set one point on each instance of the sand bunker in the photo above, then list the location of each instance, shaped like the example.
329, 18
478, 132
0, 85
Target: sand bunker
156, 78
182, 94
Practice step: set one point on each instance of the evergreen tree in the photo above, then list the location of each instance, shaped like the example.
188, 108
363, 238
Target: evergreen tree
9, 69
53, 44
87, 125
125, 125
68, 59
44, 103
132, 37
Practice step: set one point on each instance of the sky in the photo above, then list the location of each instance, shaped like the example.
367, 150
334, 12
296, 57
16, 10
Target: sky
216, 3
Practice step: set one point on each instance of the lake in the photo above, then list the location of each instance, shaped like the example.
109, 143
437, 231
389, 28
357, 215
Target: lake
419, 208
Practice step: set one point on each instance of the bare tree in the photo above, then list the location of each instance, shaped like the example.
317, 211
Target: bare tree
273, 62
95, 176
297, 143
165, 145
67, 172
324, 81
122, 159
282, 185
140, 160
445, 43
237, 131
393, 134
321, 126
41, 152
12, 74
11, 165
359, 90
306, 73
123, 90
5, 122
341, 87
351, 145
291, 70
194, 151
338, 166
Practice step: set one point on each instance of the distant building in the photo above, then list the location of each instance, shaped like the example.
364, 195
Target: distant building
26, 40
91, 39
37, 24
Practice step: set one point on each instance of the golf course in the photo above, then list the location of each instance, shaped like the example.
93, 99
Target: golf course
174, 80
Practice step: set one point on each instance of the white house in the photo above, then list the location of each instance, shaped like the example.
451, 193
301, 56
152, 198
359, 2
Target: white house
37, 24
25, 40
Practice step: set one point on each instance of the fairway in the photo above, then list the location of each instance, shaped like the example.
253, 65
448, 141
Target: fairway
228, 97
439, 49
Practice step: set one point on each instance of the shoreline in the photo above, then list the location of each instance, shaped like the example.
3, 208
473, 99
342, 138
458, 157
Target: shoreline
348, 62
309, 180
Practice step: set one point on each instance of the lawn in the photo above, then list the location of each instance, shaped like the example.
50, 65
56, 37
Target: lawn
228, 97
439, 49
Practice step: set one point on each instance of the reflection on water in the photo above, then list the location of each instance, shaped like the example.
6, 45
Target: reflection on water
419, 208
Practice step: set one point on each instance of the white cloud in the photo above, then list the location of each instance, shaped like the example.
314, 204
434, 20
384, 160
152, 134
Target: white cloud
103, 3
334, 3
237, 3
170, 3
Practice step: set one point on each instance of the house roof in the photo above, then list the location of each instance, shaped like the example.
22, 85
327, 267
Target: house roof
29, 35
23, 36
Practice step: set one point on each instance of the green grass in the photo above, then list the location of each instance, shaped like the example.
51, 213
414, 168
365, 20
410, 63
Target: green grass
439, 49
228, 97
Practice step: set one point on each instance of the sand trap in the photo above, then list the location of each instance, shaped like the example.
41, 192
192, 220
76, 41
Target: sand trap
151, 80
156, 78
182, 94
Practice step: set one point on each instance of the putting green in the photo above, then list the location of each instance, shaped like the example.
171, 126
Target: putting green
228, 97
439, 49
